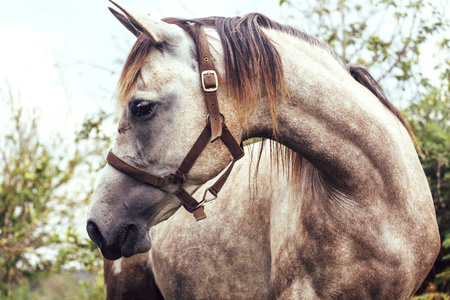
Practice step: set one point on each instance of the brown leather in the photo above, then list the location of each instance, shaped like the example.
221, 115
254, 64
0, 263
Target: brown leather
209, 80
229, 141
214, 129
217, 186
195, 151
237, 152
133, 171
199, 214
189, 202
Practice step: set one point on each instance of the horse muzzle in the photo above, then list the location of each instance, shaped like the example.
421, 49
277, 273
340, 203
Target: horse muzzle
119, 239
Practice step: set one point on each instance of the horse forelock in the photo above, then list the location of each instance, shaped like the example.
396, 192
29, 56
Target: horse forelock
131, 71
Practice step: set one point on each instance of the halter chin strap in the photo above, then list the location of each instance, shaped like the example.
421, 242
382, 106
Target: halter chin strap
215, 129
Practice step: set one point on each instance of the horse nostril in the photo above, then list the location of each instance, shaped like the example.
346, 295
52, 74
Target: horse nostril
94, 233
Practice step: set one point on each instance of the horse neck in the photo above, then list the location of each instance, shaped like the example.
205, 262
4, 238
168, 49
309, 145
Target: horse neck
334, 122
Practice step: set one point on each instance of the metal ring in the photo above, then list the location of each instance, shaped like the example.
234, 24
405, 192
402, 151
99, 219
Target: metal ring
170, 185
210, 199
208, 122
200, 204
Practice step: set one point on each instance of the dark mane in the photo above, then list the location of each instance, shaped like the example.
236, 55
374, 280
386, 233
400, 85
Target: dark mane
252, 63
250, 58
363, 76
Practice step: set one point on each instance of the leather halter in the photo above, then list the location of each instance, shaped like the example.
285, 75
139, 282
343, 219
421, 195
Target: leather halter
215, 129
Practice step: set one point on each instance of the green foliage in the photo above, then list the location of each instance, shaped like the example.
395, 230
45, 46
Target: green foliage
387, 37
93, 291
432, 296
29, 176
81, 251
429, 120
40, 186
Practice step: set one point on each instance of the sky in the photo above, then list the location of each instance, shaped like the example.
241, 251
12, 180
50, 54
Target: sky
64, 57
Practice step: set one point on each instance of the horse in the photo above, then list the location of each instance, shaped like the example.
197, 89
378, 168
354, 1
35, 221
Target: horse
135, 277
236, 267
361, 223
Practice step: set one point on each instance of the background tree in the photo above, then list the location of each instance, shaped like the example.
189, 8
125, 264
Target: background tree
38, 195
388, 37
430, 121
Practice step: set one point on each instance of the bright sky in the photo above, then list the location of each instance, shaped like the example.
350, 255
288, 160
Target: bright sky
65, 56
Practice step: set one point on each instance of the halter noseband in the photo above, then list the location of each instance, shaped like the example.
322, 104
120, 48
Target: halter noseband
215, 128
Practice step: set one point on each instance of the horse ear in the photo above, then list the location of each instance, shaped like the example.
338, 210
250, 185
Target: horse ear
138, 23
125, 22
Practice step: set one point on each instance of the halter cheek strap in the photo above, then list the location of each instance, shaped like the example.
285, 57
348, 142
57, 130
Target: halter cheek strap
210, 83
215, 129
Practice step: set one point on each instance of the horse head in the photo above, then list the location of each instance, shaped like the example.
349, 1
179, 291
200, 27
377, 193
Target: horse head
163, 112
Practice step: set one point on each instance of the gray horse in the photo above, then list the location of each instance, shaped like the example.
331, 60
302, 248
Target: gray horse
354, 218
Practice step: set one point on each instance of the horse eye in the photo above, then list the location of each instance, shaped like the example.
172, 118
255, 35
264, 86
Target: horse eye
141, 108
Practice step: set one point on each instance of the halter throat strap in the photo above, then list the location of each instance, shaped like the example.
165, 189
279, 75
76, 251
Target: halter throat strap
215, 129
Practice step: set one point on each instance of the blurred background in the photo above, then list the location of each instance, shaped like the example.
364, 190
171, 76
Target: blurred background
59, 65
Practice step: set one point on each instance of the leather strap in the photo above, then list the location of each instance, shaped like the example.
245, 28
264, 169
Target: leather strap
210, 84
235, 150
195, 151
187, 200
229, 141
217, 186
135, 172
214, 130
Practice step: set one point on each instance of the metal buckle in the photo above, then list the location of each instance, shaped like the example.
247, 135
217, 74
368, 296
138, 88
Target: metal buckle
210, 72
210, 199
169, 182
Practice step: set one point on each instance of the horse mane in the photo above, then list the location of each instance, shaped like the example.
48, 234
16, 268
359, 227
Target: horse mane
253, 67
363, 76
252, 63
